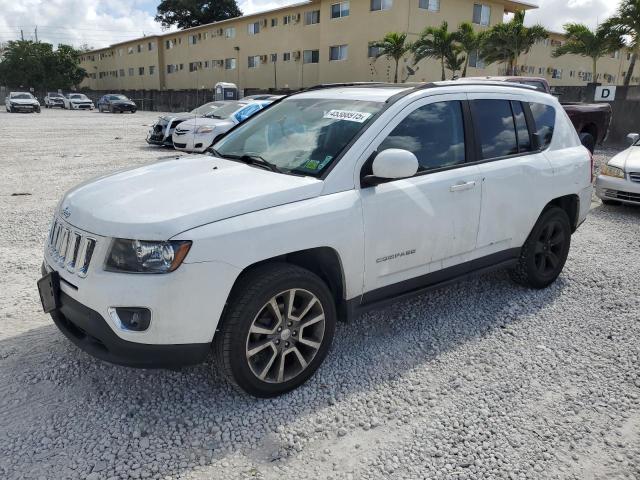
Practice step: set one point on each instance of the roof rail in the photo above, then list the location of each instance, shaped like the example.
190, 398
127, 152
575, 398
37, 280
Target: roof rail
322, 86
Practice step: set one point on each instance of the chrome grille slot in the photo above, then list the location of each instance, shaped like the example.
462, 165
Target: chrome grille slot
634, 177
71, 249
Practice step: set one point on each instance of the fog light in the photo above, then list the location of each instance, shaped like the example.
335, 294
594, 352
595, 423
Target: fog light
131, 318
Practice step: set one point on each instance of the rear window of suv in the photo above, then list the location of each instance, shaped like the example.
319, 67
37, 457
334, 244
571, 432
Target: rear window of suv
544, 117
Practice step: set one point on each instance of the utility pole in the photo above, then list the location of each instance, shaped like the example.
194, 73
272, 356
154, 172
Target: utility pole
21, 35
36, 34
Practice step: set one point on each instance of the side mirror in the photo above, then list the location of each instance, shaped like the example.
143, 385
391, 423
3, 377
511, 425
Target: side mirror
392, 164
632, 138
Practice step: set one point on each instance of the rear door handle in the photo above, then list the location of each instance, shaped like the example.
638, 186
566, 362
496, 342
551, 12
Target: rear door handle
459, 187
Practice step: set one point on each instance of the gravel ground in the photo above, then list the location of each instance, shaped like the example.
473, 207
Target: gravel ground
483, 379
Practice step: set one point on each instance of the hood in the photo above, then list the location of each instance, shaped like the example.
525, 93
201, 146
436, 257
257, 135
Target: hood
190, 124
176, 116
79, 100
158, 201
123, 102
24, 101
628, 160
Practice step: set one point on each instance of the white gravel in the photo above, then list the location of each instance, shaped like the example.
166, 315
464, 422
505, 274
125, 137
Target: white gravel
483, 379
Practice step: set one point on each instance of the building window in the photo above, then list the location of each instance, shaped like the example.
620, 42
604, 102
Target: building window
274, 57
340, 9
194, 66
286, 57
193, 39
374, 52
338, 52
254, 28
431, 5
481, 14
475, 61
274, 22
311, 56
230, 64
131, 72
556, 43
130, 50
230, 32
217, 63
254, 61
312, 17
377, 5
122, 72
121, 52
286, 20
152, 70
151, 46
557, 73
140, 71
139, 48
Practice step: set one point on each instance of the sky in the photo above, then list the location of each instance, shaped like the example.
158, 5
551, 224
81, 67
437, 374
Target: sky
98, 23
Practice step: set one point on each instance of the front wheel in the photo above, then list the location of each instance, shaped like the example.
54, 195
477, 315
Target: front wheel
546, 250
277, 330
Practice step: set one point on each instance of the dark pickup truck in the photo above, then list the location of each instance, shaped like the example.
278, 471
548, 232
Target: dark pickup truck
591, 120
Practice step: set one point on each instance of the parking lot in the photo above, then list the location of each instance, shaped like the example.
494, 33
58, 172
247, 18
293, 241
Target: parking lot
483, 379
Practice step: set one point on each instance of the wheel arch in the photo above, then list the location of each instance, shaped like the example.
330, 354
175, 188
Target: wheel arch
571, 205
325, 262
591, 129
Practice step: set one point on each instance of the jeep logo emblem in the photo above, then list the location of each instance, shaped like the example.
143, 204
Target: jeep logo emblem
66, 212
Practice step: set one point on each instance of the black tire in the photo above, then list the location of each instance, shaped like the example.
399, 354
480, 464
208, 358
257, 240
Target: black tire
588, 141
611, 202
545, 252
112, 109
247, 305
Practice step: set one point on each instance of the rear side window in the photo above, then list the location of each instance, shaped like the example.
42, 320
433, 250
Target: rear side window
544, 117
524, 140
495, 128
434, 133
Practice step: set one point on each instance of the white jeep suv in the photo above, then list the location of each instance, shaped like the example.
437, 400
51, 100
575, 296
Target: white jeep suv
328, 202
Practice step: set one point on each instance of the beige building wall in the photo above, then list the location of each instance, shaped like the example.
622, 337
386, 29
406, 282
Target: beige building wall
199, 57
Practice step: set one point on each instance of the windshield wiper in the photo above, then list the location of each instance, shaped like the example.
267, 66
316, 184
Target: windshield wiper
255, 160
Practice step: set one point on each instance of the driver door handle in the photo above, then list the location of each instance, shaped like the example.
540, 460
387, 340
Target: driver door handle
459, 187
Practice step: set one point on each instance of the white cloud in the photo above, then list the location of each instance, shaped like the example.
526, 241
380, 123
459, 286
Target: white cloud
103, 22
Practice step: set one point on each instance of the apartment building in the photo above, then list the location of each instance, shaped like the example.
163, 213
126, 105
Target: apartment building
316, 41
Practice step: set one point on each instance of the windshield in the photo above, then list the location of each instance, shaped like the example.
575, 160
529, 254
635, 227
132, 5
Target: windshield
78, 96
22, 96
207, 108
117, 97
300, 135
56, 95
226, 110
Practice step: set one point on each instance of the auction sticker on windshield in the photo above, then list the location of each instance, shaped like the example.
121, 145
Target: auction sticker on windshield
351, 116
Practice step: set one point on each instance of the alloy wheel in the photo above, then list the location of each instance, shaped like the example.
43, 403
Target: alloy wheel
285, 336
549, 248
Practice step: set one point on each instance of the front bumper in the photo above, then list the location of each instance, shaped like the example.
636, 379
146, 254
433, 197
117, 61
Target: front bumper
618, 189
124, 108
191, 142
90, 332
159, 137
25, 108
82, 106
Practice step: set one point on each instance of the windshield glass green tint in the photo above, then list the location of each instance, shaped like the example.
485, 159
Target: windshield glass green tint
300, 135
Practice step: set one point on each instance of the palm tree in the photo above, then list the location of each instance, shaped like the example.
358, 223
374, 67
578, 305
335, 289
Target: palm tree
626, 22
587, 43
435, 42
393, 46
505, 42
454, 61
470, 41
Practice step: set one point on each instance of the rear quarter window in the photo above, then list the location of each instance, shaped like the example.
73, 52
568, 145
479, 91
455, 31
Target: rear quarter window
544, 117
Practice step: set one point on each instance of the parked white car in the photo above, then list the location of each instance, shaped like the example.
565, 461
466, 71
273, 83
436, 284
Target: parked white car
21, 102
54, 99
619, 179
161, 132
330, 202
78, 101
199, 133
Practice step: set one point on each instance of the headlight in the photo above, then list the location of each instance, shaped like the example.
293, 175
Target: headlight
612, 171
204, 129
138, 256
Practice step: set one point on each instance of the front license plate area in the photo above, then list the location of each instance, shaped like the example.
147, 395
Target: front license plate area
49, 288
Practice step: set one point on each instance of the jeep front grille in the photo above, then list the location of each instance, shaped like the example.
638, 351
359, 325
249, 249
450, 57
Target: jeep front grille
634, 177
70, 248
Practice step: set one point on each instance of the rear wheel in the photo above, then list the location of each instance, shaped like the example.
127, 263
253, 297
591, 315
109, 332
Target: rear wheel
277, 330
545, 252
588, 141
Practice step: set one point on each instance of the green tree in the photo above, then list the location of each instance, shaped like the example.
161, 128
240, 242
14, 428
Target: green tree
29, 64
626, 22
455, 61
393, 46
436, 43
587, 43
192, 13
505, 42
469, 41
